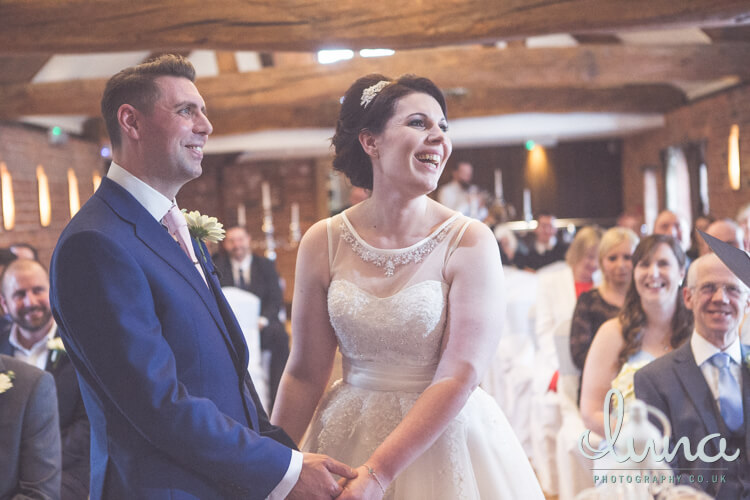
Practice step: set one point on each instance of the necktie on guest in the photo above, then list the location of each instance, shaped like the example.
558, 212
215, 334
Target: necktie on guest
730, 397
177, 226
241, 283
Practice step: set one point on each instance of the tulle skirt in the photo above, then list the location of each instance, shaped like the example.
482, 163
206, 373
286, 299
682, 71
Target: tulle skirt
477, 457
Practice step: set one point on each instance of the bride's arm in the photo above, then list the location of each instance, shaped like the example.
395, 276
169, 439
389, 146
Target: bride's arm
476, 310
313, 341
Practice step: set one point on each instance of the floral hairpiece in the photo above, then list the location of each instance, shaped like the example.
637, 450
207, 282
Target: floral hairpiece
370, 92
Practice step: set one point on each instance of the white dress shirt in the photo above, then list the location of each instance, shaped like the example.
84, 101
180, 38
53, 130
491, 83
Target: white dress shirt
242, 266
158, 205
703, 350
38, 353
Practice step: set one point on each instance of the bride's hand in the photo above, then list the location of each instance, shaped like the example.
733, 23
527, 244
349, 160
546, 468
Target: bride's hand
362, 487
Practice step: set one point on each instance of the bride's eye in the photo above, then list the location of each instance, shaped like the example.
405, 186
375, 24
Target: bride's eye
416, 122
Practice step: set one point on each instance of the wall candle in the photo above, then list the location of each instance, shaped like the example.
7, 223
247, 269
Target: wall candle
498, 184
266, 192
527, 204
295, 214
241, 215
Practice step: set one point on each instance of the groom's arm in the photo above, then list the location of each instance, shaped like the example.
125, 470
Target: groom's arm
104, 304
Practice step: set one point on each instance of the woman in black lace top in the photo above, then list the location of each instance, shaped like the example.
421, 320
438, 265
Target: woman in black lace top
602, 303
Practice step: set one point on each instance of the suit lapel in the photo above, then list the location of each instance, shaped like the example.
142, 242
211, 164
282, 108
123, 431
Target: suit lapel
157, 239
695, 386
233, 328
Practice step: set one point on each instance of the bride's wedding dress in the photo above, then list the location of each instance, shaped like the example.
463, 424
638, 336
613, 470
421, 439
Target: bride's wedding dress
388, 309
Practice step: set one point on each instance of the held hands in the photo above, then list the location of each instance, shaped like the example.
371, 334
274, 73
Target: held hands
365, 486
316, 480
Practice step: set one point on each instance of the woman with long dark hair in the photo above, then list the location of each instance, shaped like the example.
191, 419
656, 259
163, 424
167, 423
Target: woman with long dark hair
652, 322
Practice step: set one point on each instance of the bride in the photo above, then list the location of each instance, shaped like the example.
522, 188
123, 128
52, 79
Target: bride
411, 293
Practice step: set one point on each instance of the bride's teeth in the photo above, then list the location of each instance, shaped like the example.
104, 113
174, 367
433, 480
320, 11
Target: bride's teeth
429, 157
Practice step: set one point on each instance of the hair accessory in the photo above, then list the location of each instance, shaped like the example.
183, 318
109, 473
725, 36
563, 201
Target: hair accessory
370, 92
371, 473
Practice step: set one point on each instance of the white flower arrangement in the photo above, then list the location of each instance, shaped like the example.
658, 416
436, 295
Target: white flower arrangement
6, 380
624, 381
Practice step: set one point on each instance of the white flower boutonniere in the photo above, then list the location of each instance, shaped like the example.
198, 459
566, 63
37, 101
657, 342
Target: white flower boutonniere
55, 344
6, 381
204, 228
56, 348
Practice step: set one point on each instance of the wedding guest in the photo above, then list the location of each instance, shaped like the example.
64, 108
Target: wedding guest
24, 293
257, 275
727, 231
24, 251
696, 242
671, 224
558, 291
743, 219
460, 194
411, 293
699, 386
29, 432
603, 302
542, 246
630, 221
653, 321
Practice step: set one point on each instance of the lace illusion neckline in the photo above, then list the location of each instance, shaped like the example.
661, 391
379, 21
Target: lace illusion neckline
389, 258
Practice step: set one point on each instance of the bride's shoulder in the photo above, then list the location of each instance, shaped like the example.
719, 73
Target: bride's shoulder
315, 239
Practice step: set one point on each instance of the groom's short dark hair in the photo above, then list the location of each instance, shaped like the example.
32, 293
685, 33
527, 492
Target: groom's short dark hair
136, 86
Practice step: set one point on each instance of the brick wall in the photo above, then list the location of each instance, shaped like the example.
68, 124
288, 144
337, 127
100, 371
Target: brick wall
22, 148
226, 183
708, 119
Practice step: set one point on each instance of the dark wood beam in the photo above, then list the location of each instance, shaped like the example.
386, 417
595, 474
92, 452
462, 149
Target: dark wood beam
594, 67
72, 26
21, 69
323, 113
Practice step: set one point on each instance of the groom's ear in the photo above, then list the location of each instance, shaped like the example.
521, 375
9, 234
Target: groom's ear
129, 119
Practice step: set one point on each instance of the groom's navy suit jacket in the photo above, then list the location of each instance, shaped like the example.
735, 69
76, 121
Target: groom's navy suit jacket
675, 384
161, 360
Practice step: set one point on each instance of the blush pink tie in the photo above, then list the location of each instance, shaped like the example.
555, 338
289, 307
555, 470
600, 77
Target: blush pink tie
178, 228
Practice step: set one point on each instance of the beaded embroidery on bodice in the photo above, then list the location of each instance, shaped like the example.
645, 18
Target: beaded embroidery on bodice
389, 259
397, 318
406, 327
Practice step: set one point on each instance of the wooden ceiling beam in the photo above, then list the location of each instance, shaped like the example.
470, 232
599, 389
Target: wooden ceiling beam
17, 69
77, 26
323, 113
593, 67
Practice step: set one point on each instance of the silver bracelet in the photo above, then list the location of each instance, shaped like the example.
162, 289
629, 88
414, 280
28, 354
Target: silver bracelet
371, 473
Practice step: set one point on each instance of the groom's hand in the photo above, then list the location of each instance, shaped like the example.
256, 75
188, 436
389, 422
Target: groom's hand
316, 480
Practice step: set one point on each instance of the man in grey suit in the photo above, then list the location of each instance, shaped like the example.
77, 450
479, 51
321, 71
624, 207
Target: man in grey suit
33, 338
704, 386
29, 432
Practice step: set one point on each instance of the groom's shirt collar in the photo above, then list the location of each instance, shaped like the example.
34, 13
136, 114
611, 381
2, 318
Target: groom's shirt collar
152, 200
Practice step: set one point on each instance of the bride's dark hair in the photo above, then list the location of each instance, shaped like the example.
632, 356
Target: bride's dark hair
350, 158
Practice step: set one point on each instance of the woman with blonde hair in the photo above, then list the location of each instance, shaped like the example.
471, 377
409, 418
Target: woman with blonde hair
603, 302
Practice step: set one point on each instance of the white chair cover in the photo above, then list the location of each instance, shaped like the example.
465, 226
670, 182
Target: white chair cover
246, 308
573, 469
509, 377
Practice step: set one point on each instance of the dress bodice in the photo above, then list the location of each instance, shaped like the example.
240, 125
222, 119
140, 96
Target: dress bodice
390, 318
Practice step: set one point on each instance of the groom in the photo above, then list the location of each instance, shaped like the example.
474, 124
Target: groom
161, 360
